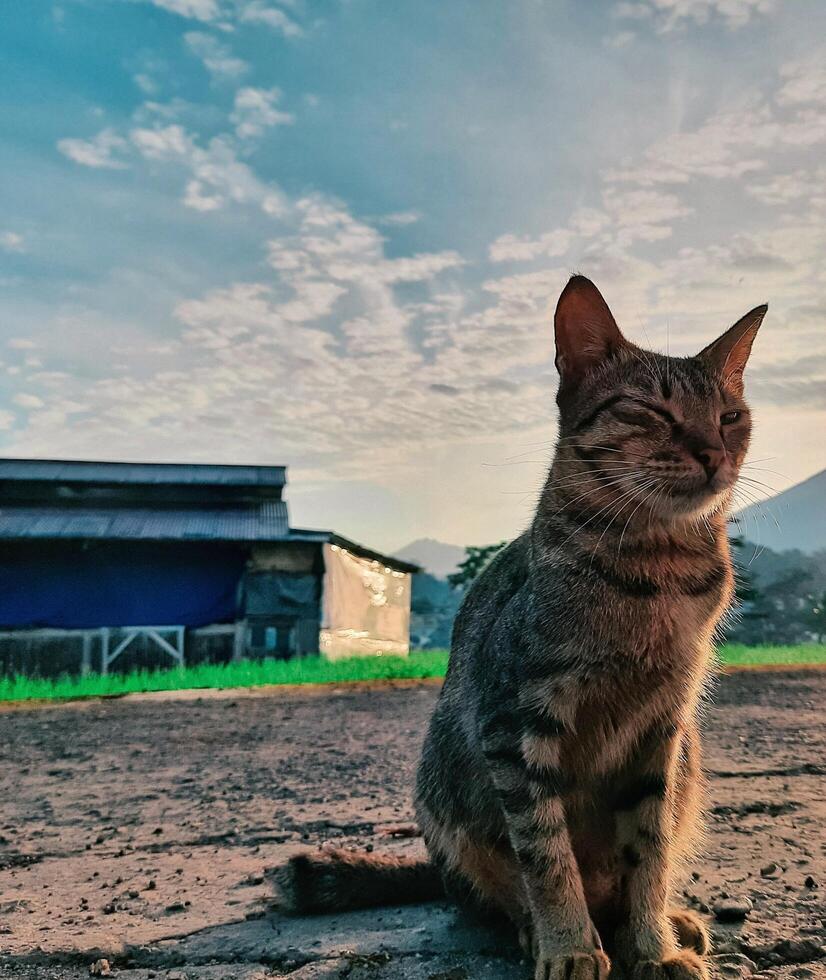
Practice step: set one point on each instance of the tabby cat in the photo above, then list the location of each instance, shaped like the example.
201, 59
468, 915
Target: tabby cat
560, 778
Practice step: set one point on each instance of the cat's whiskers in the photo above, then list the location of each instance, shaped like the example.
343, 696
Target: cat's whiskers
580, 479
740, 499
593, 517
639, 491
606, 449
656, 488
604, 486
761, 504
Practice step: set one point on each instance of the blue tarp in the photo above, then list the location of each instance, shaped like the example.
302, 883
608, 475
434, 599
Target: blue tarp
118, 585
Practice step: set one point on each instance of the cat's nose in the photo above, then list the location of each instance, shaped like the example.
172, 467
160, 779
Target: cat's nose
711, 458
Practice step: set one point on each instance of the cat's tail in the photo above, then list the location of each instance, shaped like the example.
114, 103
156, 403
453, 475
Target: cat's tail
335, 881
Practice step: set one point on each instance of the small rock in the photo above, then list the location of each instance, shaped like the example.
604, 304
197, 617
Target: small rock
771, 870
732, 909
798, 950
100, 968
735, 966
810, 882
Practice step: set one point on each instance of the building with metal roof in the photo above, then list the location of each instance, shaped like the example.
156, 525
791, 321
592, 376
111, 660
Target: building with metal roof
156, 556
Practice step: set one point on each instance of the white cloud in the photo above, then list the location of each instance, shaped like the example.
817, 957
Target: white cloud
21, 343
513, 248
216, 175
332, 319
668, 15
7, 419
96, 152
400, 218
258, 12
196, 197
804, 82
642, 214
25, 400
225, 13
11, 241
217, 58
145, 83
789, 188
204, 10
255, 110
163, 143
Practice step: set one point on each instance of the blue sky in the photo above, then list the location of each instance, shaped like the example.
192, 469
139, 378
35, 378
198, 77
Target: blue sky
330, 233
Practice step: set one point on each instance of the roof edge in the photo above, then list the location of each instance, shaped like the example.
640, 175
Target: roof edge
120, 472
331, 537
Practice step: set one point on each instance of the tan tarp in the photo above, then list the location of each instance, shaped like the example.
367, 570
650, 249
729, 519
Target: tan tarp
365, 607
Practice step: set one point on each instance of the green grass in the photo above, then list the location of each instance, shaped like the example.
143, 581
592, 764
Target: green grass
737, 655
244, 673
313, 670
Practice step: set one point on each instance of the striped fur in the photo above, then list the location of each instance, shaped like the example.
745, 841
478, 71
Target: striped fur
560, 777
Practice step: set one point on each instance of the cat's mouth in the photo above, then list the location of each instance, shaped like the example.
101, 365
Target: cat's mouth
693, 494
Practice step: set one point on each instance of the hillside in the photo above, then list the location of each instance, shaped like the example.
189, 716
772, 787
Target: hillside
795, 518
435, 557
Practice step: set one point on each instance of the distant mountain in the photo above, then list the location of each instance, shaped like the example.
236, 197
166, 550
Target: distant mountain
795, 518
436, 557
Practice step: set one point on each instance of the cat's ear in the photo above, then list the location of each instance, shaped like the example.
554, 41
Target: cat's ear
727, 356
586, 332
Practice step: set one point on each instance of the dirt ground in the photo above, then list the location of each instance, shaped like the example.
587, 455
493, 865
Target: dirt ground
140, 830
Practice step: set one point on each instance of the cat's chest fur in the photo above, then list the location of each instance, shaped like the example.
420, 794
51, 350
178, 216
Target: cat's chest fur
633, 663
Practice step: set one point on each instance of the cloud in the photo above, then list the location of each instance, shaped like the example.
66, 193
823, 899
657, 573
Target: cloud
513, 248
399, 218
419, 353
11, 241
670, 15
255, 110
163, 143
642, 215
262, 13
789, 188
216, 175
96, 152
25, 400
217, 58
619, 40
197, 197
7, 419
804, 82
204, 10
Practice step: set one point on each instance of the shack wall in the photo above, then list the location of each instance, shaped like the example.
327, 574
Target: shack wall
365, 606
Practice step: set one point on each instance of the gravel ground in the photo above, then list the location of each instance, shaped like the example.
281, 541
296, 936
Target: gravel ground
141, 830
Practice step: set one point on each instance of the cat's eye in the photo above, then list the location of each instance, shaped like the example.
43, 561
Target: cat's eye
728, 418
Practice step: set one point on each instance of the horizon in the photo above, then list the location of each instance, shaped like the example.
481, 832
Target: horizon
330, 235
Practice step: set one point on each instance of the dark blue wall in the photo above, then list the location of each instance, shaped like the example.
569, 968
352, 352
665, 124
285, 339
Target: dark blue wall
75, 586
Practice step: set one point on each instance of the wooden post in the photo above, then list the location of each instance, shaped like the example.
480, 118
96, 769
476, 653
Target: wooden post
238, 640
104, 650
86, 655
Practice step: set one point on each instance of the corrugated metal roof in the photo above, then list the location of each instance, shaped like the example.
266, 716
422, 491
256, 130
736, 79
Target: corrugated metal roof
324, 537
176, 474
266, 521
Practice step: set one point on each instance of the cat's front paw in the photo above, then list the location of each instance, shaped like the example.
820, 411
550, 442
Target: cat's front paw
593, 965
690, 931
684, 966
